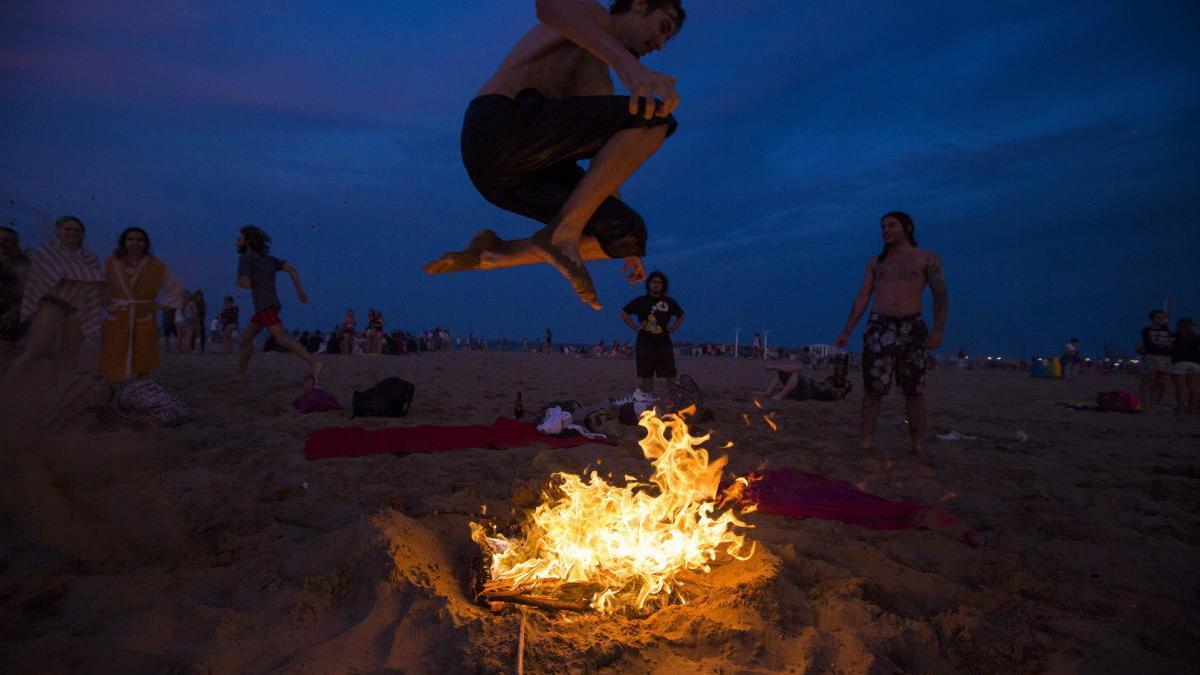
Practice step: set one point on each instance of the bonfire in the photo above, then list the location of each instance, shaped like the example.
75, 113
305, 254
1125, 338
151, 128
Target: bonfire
591, 544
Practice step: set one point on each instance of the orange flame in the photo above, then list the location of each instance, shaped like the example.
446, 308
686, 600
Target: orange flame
630, 542
770, 422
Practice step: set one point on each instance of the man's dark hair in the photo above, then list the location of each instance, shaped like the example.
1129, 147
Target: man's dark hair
69, 219
229, 298
1155, 312
1074, 339
121, 251
656, 274
622, 6
906, 222
10, 231
256, 240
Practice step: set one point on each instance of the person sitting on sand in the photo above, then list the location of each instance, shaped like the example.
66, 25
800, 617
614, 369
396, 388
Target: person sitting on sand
896, 337
138, 284
14, 268
61, 300
256, 271
1185, 366
655, 354
790, 382
551, 104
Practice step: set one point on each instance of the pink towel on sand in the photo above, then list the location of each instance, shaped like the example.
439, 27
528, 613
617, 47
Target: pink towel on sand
504, 433
808, 495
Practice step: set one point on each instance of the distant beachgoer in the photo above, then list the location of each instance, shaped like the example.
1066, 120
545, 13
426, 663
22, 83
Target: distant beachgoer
229, 322
61, 300
14, 269
896, 337
374, 331
256, 271
138, 284
549, 341
349, 325
1070, 359
1156, 358
201, 311
169, 330
550, 104
655, 353
1185, 366
790, 382
185, 323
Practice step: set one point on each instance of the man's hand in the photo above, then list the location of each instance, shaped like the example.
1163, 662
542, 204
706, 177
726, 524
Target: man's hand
933, 341
656, 88
634, 271
842, 339
302, 296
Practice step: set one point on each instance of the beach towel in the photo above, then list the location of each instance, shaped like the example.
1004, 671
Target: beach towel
807, 495
52, 262
503, 434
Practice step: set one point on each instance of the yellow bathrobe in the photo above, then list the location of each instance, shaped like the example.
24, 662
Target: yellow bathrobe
130, 332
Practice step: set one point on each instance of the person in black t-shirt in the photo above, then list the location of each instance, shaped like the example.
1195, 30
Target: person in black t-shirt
1156, 359
654, 353
1185, 366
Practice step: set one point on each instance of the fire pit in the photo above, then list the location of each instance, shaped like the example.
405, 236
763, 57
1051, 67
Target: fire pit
591, 545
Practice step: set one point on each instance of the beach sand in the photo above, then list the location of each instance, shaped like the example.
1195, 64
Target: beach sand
215, 547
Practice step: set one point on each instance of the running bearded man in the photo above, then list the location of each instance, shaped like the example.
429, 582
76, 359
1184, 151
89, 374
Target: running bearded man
896, 337
551, 104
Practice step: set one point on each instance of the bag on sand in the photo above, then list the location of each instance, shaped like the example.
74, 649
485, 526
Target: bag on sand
316, 400
1117, 401
146, 401
391, 397
685, 392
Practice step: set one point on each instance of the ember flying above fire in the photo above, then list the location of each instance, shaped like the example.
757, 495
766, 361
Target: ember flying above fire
626, 546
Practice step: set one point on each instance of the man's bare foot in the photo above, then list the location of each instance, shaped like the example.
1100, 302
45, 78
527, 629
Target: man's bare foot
466, 259
568, 262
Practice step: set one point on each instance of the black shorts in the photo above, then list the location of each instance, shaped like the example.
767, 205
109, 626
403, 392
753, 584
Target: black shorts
521, 155
655, 360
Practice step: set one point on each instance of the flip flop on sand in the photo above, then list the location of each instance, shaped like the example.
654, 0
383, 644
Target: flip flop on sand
467, 259
569, 264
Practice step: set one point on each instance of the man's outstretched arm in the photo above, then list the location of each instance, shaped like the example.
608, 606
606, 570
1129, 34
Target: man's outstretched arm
585, 23
859, 305
941, 300
296, 282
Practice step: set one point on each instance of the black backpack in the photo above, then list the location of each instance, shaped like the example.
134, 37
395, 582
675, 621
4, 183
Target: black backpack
390, 398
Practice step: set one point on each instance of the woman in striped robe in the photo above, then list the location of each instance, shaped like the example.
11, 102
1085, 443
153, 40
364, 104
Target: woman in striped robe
135, 280
62, 298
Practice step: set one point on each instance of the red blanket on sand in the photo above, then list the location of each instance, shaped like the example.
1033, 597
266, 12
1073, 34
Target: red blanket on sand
504, 433
808, 495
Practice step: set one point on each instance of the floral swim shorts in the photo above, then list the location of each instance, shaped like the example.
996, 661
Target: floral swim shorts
894, 345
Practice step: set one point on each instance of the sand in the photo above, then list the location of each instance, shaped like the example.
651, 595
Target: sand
215, 547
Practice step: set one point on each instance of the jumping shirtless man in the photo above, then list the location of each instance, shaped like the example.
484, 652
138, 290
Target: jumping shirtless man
550, 104
896, 338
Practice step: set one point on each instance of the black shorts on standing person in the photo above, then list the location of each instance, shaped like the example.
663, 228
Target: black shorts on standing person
522, 155
654, 352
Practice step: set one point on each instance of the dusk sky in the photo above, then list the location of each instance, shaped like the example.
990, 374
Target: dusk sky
1049, 151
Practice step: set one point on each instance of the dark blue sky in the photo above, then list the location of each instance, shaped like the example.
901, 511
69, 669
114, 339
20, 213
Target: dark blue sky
1049, 151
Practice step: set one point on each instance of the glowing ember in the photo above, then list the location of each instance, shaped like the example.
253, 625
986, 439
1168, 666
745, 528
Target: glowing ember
627, 545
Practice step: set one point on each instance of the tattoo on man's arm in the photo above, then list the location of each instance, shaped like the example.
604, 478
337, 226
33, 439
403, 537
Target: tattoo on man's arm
937, 282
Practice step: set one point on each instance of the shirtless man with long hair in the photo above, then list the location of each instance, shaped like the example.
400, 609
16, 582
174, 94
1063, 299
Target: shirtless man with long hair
896, 337
552, 103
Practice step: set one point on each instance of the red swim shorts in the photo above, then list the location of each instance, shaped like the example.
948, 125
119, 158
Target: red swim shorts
267, 317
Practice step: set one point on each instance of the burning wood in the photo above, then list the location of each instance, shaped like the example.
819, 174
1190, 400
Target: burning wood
621, 547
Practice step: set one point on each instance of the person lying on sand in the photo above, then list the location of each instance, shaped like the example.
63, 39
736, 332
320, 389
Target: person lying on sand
789, 382
551, 104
